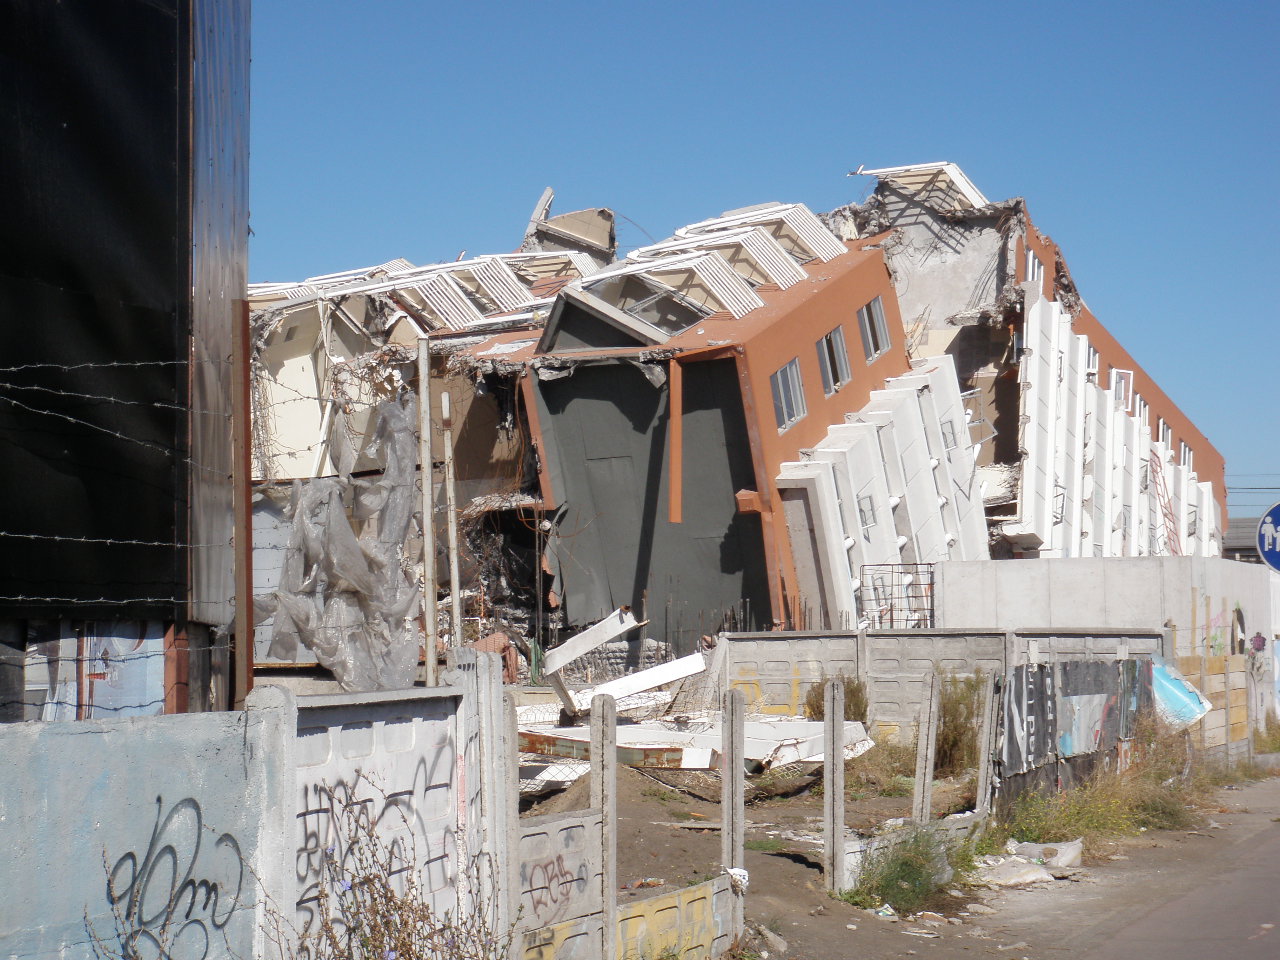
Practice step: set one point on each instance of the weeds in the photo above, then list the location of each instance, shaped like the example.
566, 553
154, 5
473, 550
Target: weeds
907, 874
765, 844
886, 770
958, 721
371, 901
1159, 791
1268, 741
855, 698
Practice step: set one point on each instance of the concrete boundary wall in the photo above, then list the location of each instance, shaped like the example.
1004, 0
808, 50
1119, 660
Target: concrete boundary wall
156, 831
565, 872
173, 834
1222, 618
776, 670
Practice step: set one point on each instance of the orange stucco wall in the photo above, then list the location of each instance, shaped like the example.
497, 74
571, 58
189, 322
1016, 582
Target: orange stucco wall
794, 332
790, 326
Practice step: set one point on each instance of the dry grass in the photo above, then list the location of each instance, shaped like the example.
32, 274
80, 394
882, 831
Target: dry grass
958, 721
1163, 789
855, 699
886, 770
1268, 741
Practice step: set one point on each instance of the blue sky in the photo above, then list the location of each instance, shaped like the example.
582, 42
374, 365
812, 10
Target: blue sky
1144, 136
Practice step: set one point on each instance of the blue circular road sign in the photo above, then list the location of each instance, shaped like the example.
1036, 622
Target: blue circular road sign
1269, 538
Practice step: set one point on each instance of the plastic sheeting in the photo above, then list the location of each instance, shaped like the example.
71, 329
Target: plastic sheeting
352, 599
1178, 703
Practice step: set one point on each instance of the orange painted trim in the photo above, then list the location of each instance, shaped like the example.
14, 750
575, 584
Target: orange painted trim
675, 415
535, 434
177, 664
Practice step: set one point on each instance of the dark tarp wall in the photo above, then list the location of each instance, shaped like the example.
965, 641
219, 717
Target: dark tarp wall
96, 297
605, 434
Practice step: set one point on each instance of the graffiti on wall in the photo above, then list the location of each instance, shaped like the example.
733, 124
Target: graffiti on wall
556, 871
1070, 708
386, 785
173, 896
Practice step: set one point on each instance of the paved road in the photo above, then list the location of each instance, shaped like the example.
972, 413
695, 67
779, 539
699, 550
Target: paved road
1201, 895
1232, 913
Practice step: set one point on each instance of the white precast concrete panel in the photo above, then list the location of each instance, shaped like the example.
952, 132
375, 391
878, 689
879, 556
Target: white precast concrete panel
396, 761
132, 810
831, 561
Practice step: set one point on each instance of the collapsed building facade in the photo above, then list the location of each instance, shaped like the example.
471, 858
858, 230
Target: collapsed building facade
769, 420
1087, 456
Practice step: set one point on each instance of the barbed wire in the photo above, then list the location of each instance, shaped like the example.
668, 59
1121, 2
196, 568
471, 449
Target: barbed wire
167, 451
107, 399
110, 364
105, 601
108, 540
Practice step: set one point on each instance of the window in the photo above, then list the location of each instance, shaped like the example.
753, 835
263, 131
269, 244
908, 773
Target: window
948, 434
867, 511
1184, 457
788, 395
833, 358
1164, 432
1091, 364
1034, 266
875, 333
1122, 388
1140, 410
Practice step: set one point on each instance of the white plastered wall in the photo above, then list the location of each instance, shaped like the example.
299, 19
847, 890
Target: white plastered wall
921, 497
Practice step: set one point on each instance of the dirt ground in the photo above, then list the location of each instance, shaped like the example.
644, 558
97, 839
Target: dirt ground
669, 838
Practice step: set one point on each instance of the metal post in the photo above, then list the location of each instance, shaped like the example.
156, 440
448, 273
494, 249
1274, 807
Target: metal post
242, 509
426, 473
926, 745
833, 785
451, 506
604, 797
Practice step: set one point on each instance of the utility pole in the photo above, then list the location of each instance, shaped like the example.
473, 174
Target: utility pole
451, 506
426, 476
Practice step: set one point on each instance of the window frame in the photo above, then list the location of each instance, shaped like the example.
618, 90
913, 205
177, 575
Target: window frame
832, 347
874, 329
788, 377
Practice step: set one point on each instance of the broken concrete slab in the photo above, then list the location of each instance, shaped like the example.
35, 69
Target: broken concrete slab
614, 625
696, 745
1068, 854
1014, 872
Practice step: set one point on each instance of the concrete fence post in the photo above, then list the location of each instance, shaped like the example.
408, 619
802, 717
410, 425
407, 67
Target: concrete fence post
833, 785
987, 729
1011, 652
508, 893
275, 709
604, 797
733, 791
926, 749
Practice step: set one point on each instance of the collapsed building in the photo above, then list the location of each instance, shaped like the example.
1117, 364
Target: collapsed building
770, 420
1087, 456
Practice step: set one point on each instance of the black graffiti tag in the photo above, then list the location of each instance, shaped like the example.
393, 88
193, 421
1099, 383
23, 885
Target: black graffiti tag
169, 902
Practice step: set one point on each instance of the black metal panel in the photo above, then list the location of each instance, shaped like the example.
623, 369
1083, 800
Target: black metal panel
219, 249
605, 432
95, 306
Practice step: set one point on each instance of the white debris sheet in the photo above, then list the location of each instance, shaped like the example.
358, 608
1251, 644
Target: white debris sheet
694, 743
